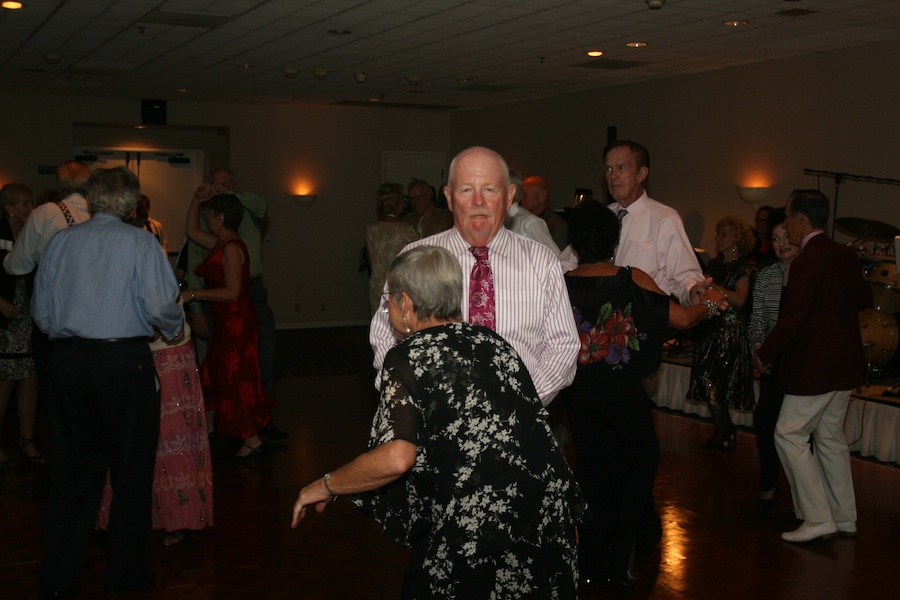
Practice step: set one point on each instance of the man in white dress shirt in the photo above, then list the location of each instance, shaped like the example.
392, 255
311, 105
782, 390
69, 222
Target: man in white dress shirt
523, 222
533, 312
45, 220
653, 237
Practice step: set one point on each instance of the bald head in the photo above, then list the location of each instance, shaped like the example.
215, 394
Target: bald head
72, 177
536, 195
479, 193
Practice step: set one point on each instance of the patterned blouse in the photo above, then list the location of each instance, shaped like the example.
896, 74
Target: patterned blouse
488, 476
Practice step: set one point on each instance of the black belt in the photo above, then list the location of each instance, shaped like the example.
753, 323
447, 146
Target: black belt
79, 340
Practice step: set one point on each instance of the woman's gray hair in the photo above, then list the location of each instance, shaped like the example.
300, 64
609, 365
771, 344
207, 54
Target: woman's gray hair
115, 191
432, 278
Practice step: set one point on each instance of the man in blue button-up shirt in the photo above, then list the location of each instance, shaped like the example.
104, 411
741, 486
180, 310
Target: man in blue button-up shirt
103, 289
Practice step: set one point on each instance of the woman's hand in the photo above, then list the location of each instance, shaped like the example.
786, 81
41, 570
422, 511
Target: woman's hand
315, 495
717, 296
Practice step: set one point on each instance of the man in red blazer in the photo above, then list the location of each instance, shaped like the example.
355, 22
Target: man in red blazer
818, 339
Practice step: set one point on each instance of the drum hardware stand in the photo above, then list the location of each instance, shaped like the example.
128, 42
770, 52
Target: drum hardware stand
839, 177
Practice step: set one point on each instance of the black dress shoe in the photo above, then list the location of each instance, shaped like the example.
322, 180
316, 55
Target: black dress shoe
145, 581
272, 433
619, 582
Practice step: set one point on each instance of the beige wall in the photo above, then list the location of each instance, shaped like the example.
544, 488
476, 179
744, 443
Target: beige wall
311, 254
707, 133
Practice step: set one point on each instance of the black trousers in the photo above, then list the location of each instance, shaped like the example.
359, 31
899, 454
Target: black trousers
617, 455
103, 408
765, 417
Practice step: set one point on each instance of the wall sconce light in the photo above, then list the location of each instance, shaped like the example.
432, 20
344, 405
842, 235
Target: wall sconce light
753, 195
305, 199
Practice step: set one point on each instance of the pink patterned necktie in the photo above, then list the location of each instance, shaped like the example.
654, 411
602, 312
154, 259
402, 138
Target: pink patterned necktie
481, 290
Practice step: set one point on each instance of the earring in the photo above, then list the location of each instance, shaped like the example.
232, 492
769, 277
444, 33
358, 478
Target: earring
406, 325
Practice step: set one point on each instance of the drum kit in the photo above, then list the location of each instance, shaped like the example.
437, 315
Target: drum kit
878, 325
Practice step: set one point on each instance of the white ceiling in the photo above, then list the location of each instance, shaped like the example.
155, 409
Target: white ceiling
468, 54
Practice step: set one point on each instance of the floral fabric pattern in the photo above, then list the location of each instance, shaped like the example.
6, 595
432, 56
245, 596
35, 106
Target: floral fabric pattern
621, 326
611, 339
481, 290
722, 372
182, 476
489, 506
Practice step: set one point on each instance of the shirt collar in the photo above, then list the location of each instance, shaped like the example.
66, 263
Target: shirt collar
810, 236
636, 207
499, 245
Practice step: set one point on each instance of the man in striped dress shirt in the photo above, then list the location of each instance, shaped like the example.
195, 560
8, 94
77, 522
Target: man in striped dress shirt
533, 312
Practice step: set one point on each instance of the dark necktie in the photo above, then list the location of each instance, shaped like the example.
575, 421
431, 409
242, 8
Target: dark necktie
481, 290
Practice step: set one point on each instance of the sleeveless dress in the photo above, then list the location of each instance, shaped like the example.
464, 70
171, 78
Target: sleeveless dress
16, 358
722, 372
230, 372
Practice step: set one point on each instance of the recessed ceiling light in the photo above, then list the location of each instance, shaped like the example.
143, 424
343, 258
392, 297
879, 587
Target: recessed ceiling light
245, 66
11, 5
183, 90
595, 53
735, 23
339, 31
636, 44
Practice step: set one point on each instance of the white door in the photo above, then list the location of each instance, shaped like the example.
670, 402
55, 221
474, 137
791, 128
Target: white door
169, 185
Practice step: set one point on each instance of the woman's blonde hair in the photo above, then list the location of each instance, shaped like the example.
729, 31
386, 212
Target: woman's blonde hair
746, 240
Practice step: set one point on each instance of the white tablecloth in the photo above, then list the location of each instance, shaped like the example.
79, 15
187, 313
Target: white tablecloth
873, 429
668, 386
870, 428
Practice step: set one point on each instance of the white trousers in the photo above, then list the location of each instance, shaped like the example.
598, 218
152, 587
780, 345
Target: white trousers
821, 482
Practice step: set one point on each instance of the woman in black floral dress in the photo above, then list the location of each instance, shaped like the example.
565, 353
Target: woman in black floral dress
462, 466
622, 319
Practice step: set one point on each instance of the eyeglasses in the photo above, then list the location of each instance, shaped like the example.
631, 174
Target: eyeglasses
385, 299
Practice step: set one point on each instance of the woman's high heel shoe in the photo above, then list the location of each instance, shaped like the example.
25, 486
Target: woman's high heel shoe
37, 458
713, 443
766, 499
730, 441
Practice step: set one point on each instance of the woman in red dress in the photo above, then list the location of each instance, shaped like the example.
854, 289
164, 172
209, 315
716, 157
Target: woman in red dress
230, 372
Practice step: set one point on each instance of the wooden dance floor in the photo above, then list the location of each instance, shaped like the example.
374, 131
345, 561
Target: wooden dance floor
716, 545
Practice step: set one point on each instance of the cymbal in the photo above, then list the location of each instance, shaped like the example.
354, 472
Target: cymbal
867, 228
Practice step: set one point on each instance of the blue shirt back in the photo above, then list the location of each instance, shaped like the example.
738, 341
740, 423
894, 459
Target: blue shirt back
105, 279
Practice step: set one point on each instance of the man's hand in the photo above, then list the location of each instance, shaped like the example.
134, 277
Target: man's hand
696, 294
200, 326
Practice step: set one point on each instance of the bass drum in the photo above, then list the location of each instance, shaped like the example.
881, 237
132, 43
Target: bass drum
878, 330
885, 287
